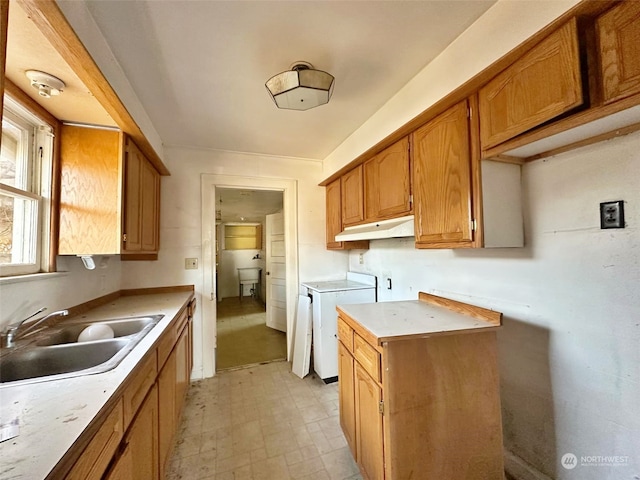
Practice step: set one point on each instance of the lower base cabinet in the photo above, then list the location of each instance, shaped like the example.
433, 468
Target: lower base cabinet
134, 441
139, 459
423, 405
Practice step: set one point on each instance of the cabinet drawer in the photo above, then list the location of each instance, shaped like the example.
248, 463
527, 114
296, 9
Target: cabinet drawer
138, 387
96, 457
367, 356
170, 337
345, 334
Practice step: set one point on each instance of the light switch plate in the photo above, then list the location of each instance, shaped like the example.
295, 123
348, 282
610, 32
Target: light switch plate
190, 263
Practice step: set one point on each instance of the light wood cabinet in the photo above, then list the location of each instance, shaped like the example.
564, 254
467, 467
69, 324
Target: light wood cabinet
541, 85
139, 459
109, 195
368, 415
141, 203
436, 408
387, 183
347, 396
134, 440
442, 180
333, 193
619, 44
352, 197
101, 448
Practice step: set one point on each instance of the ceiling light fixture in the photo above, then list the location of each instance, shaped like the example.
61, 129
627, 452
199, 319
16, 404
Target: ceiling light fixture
47, 85
300, 88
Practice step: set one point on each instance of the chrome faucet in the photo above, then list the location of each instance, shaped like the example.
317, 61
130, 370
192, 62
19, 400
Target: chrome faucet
11, 333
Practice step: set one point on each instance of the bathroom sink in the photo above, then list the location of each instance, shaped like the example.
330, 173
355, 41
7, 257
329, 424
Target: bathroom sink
69, 332
58, 354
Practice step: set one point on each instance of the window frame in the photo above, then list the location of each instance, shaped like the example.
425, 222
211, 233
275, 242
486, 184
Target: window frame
44, 177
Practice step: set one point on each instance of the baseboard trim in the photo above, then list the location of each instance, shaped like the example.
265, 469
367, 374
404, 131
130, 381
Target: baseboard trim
518, 469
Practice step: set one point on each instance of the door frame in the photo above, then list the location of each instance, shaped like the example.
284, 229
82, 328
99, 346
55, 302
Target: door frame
208, 183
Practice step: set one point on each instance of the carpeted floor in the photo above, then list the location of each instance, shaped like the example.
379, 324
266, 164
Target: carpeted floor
243, 337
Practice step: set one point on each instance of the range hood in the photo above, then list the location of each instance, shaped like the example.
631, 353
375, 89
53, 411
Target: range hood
396, 227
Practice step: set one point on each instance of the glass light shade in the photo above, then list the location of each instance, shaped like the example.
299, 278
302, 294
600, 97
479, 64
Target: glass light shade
301, 88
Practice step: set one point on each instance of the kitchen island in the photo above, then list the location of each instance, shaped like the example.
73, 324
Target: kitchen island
58, 419
419, 389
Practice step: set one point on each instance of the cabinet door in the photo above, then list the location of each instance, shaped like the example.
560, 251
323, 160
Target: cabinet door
442, 180
541, 85
334, 214
90, 191
619, 38
352, 197
150, 191
369, 433
347, 396
387, 183
132, 241
167, 423
182, 370
139, 460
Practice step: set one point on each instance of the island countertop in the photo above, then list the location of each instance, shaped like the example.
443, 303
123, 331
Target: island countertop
52, 415
428, 316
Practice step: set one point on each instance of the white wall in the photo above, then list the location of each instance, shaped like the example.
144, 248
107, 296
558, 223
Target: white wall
180, 223
230, 261
77, 285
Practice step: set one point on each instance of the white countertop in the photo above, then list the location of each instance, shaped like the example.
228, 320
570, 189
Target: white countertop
53, 414
389, 321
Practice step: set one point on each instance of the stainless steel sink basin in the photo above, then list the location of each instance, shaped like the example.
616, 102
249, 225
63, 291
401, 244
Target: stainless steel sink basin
58, 354
68, 333
60, 359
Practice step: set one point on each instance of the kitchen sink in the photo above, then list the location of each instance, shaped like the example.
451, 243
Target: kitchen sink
69, 332
58, 355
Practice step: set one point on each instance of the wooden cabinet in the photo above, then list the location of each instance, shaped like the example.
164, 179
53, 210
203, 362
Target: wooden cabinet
619, 44
352, 197
541, 85
436, 407
134, 440
347, 396
101, 448
333, 192
442, 180
368, 415
109, 196
141, 203
173, 382
139, 459
387, 183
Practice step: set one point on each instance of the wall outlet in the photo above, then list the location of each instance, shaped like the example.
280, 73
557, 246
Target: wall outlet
612, 214
190, 263
361, 258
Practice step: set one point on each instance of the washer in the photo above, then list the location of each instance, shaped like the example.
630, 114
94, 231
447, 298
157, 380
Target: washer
356, 288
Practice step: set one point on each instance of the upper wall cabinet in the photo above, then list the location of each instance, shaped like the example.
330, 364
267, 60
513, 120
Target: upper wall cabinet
619, 44
460, 201
541, 85
333, 194
352, 195
387, 183
109, 198
442, 180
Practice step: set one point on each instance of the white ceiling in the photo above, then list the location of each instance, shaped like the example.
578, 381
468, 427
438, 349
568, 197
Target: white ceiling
244, 205
199, 67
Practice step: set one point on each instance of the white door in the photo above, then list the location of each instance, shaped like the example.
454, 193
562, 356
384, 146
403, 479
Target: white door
276, 273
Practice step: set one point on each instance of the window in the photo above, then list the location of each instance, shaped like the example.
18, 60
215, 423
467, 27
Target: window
25, 191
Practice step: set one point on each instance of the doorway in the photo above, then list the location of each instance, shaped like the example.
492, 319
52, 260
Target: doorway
247, 333
214, 294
